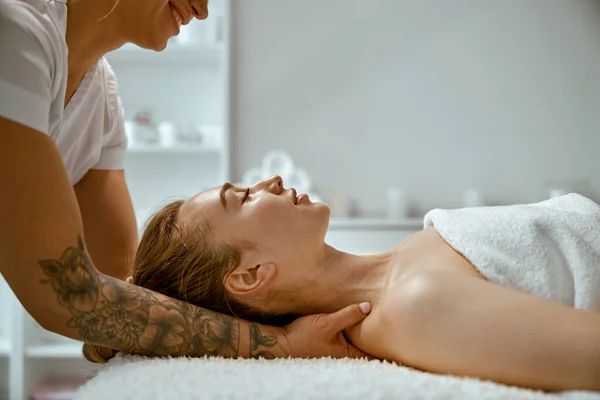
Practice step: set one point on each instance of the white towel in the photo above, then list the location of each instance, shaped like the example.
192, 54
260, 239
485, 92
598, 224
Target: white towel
550, 249
140, 378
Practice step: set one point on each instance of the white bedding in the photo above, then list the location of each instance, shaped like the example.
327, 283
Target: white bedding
217, 378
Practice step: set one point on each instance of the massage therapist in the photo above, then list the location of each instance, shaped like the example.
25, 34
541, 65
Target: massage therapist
68, 233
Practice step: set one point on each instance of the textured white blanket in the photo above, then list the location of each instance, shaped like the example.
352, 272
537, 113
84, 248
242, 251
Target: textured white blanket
550, 249
217, 378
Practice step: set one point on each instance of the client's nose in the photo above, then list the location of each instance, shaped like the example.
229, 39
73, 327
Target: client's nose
273, 184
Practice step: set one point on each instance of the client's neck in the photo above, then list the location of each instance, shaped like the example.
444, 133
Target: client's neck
344, 279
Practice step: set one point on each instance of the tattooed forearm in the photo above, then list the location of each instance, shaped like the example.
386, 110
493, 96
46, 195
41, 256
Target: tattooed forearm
257, 339
215, 334
109, 312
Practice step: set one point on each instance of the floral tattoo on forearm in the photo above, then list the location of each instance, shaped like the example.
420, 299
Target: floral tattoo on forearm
109, 312
257, 339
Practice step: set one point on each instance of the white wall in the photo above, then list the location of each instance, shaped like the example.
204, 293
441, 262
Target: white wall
434, 96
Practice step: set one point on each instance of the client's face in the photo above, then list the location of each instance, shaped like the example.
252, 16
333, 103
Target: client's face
286, 229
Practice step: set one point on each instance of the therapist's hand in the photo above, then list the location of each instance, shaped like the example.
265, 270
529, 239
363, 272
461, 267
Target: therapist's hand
322, 335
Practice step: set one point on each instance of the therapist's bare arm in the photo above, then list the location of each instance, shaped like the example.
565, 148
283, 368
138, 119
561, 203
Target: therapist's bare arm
44, 260
109, 225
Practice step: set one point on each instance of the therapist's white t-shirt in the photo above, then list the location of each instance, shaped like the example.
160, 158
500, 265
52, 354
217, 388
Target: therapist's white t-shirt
89, 131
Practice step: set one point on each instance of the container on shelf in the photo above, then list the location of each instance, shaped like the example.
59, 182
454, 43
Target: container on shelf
167, 132
144, 128
397, 203
204, 134
341, 205
560, 187
167, 138
473, 198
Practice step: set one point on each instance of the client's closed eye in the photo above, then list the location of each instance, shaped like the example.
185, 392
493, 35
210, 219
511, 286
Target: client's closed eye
246, 196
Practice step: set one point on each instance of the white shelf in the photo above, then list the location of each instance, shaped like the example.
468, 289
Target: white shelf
174, 55
57, 350
4, 347
177, 149
376, 223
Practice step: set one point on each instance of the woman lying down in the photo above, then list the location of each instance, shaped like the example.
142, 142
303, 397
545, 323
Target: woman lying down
508, 294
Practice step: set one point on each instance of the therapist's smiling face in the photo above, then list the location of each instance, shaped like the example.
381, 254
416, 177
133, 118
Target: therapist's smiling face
281, 223
151, 23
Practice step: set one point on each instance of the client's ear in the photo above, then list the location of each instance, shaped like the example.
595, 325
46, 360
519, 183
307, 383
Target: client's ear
244, 280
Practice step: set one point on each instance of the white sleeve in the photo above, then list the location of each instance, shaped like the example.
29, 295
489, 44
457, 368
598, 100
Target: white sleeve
114, 143
28, 65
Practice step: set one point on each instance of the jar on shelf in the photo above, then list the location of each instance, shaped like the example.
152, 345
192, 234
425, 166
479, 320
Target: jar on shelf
397, 203
167, 131
144, 129
207, 135
193, 134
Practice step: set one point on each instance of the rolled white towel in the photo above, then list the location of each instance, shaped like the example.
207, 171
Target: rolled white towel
550, 249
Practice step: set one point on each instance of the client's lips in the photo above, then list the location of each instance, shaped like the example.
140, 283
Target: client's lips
294, 196
185, 16
301, 197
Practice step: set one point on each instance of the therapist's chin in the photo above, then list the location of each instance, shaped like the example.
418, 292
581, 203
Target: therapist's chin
156, 43
157, 46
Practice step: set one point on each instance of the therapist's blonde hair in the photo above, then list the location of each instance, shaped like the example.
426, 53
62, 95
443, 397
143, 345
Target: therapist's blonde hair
116, 3
67, 2
188, 264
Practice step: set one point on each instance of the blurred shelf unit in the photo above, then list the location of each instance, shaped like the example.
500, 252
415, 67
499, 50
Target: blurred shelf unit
55, 350
409, 224
5, 347
175, 149
177, 111
369, 235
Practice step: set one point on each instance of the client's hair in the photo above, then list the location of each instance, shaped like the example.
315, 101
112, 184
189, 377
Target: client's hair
188, 264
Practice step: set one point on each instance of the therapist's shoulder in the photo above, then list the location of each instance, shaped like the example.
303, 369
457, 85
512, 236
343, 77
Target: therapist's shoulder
36, 29
113, 107
111, 86
39, 19
109, 78
33, 62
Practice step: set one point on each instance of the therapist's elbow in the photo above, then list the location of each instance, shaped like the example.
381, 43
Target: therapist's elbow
47, 312
55, 317
60, 306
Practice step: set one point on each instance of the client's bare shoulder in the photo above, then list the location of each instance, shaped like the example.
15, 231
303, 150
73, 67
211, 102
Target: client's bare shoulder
427, 251
424, 262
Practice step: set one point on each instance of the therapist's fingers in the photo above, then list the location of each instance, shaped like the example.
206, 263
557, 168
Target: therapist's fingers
348, 317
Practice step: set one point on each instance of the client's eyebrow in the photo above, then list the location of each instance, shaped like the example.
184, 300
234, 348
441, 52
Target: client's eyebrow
226, 186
